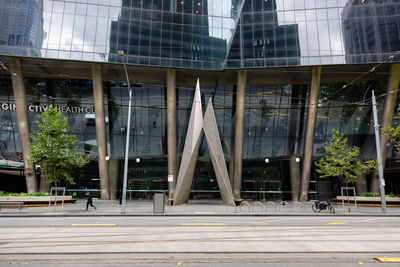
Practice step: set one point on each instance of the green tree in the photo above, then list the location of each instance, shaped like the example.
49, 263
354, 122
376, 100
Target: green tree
341, 161
393, 133
54, 149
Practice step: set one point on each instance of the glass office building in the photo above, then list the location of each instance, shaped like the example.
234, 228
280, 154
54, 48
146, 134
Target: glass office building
284, 50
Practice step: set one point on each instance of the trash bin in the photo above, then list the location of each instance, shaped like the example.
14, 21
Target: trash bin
158, 203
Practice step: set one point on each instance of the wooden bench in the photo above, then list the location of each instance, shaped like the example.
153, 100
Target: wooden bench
12, 205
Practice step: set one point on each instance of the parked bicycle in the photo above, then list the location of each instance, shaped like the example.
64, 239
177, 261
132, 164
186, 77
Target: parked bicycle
318, 206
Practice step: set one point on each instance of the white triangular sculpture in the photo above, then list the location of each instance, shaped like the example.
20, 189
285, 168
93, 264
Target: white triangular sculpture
217, 154
191, 149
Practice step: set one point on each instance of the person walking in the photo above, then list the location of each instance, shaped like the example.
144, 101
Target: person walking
89, 201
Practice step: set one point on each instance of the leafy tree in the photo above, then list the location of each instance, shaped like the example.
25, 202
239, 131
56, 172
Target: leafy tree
393, 133
341, 161
54, 149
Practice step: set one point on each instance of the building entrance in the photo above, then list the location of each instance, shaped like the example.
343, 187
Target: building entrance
204, 184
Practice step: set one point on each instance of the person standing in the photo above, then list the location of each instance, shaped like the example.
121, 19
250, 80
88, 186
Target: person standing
89, 201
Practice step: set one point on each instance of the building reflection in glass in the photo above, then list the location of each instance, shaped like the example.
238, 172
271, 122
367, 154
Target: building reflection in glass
371, 30
203, 34
21, 30
261, 40
189, 34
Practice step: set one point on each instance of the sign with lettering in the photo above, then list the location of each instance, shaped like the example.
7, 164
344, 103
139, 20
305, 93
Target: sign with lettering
42, 108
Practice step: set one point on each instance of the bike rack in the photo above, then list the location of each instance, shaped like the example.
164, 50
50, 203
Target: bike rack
244, 203
259, 204
269, 203
309, 204
299, 204
230, 203
284, 204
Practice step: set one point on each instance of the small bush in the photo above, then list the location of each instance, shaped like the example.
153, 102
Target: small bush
369, 194
391, 195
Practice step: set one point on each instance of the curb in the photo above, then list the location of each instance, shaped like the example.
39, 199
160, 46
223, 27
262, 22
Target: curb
198, 215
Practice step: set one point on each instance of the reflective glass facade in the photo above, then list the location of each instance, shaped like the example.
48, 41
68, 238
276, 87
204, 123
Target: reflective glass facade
203, 34
275, 121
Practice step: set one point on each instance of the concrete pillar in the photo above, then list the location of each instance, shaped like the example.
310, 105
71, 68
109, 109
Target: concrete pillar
294, 177
98, 96
309, 138
292, 143
23, 123
239, 125
113, 169
171, 129
387, 119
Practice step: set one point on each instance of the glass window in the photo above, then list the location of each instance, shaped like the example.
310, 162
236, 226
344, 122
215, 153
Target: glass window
66, 34
311, 14
78, 34
324, 43
322, 14
333, 13
55, 31
69, 8
312, 35
300, 15
103, 11
92, 10
81, 9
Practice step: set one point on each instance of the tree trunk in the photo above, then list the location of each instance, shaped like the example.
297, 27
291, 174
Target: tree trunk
55, 185
348, 198
55, 196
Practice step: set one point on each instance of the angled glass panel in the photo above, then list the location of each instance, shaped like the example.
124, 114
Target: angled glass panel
190, 34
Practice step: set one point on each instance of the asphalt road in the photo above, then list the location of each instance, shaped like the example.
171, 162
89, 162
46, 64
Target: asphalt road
199, 241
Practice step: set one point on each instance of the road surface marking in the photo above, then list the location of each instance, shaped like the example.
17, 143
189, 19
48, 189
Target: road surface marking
388, 259
94, 224
203, 224
369, 220
220, 261
261, 223
336, 223
360, 262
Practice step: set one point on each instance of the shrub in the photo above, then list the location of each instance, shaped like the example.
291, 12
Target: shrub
22, 194
369, 194
391, 195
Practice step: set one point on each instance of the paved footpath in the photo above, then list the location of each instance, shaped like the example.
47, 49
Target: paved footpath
195, 208
197, 233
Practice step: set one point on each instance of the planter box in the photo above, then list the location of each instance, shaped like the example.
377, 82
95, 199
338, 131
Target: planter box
37, 200
393, 201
